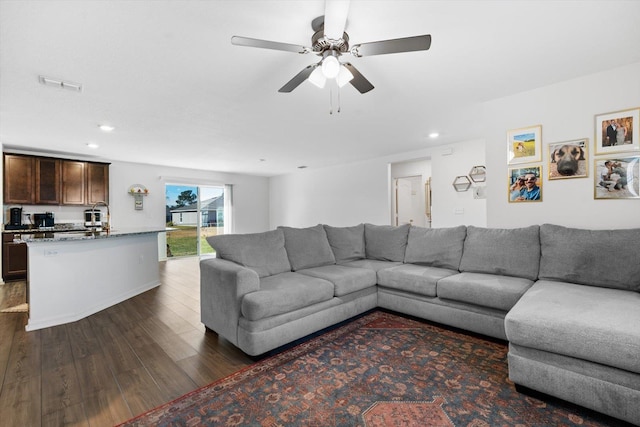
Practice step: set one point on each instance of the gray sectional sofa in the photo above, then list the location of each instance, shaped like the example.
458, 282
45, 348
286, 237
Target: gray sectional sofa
567, 300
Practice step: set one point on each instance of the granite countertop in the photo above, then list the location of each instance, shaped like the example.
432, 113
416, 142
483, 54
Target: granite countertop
58, 228
34, 236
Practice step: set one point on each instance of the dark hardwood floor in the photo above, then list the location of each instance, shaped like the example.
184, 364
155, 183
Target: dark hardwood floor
115, 364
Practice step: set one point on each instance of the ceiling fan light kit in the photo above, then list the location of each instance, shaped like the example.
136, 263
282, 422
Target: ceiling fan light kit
330, 64
330, 41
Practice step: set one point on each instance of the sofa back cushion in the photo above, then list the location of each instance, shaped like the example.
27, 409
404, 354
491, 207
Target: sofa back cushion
347, 243
262, 252
307, 247
436, 247
605, 258
509, 252
385, 242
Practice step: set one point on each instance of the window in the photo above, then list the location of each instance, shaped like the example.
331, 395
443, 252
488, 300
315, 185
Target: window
193, 213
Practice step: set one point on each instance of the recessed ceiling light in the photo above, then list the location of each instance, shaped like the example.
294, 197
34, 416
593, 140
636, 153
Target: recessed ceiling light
433, 135
92, 145
106, 128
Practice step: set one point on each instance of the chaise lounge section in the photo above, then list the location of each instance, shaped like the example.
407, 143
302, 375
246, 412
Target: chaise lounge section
567, 300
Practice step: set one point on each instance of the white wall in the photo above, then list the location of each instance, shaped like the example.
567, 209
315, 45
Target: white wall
340, 195
566, 112
361, 192
450, 208
250, 194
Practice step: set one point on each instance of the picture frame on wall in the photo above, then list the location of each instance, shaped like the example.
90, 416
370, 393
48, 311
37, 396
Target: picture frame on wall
568, 159
525, 184
524, 145
617, 132
617, 177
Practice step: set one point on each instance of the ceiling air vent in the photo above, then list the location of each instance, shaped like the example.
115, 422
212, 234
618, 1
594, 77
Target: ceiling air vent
61, 84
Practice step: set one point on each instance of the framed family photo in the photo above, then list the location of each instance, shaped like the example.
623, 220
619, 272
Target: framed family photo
525, 184
524, 145
617, 178
617, 132
568, 159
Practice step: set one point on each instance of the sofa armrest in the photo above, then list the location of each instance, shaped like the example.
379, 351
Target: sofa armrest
222, 285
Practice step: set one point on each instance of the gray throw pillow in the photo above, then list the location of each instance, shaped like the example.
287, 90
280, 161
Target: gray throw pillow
347, 243
605, 258
262, 252
509, 252
385, 242
436, 247
307, 247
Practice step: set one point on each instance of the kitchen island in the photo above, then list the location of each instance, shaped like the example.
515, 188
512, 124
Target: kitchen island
71, 275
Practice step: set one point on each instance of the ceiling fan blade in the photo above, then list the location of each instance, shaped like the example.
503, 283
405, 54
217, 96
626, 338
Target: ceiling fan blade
359, 81
407, 44
335, 18
298, 79
266, 44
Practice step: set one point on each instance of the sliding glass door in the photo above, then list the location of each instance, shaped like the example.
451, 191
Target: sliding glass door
193, 213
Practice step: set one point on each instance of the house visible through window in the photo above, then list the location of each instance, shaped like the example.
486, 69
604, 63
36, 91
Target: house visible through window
193, 213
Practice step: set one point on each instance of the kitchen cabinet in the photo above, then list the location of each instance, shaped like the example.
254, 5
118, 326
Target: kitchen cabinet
34, 180
97, 183
18, 179
47, 181
73, 182
14, 258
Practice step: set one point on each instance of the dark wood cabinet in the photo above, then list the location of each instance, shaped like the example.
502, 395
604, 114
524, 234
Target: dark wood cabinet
33, 180
47, 181
18, 179
97, 183
73, 183
14, 258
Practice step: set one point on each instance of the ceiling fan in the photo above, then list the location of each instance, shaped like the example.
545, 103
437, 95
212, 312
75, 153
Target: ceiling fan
329, 42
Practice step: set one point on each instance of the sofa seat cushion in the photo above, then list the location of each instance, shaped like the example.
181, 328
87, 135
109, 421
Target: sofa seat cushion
386, 242
347, 243
486, 290
504, 251
371, 264
417, 279
285, 292
307, 247
264, 253
596, 324
345, 279
604, 258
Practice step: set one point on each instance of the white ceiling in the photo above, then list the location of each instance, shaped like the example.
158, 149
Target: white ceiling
165, 74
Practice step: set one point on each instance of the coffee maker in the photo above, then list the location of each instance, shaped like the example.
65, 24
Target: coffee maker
15, 219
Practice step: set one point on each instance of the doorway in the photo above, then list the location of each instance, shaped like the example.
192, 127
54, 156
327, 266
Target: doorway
193, 213
409, 201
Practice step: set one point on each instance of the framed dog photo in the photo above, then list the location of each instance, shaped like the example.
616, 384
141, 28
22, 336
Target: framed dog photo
525, 184
617, 132
568, 159
524, 145
617, 178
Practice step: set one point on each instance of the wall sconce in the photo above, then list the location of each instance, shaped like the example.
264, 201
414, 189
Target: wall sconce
478, 174
461, 183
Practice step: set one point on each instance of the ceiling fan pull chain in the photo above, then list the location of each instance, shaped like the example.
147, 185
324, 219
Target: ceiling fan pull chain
330, 101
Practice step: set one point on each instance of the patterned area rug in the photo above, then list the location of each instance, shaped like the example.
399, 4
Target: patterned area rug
379, 370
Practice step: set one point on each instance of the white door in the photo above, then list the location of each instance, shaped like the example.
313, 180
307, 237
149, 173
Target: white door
404, 201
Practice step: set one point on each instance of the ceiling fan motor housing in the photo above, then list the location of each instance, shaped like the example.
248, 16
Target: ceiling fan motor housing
319, 43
